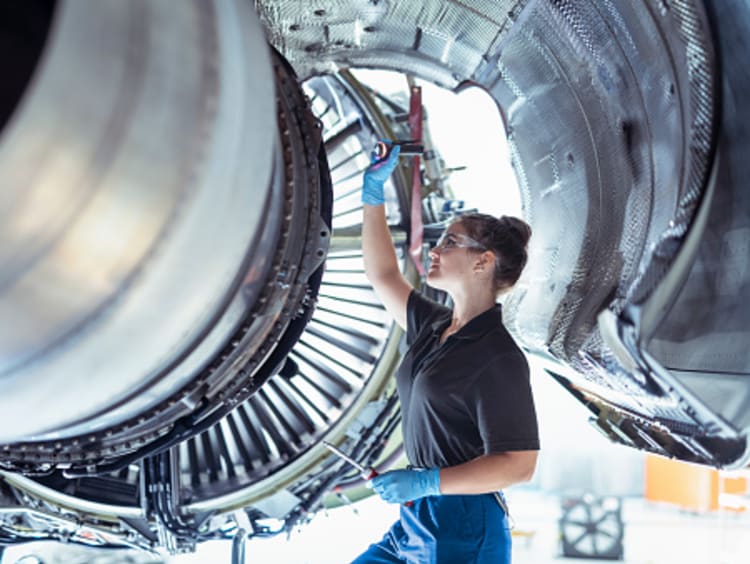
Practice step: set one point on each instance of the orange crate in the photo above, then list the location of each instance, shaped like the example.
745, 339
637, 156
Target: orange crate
690, 486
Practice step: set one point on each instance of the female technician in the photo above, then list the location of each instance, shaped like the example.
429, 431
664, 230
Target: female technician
469, 425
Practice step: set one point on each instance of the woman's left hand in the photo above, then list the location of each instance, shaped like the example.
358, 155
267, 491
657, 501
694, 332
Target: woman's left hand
400, 486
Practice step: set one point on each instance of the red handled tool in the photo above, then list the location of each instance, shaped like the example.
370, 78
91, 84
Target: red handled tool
365, 472
408, 148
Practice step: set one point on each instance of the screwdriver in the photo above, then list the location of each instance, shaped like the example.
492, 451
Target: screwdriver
366, 473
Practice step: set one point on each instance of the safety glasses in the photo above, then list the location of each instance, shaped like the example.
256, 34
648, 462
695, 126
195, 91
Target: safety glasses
458, 241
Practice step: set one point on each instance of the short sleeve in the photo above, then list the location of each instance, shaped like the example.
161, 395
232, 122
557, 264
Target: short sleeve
420, 311
502, 405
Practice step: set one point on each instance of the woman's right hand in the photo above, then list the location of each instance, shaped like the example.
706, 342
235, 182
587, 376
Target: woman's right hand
376, 175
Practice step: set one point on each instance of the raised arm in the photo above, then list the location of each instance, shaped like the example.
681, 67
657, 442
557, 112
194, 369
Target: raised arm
381, 265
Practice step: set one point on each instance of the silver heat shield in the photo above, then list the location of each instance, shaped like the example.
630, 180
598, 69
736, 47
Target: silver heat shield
114, 202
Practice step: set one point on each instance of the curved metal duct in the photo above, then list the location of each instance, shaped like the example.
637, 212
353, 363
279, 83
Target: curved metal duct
161, 185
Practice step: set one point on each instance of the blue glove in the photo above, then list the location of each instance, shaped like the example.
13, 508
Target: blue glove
400, 486
376, 175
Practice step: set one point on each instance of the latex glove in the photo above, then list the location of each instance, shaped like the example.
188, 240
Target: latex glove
400, 486
376, 175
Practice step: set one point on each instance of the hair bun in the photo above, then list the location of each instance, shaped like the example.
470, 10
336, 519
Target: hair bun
518, 227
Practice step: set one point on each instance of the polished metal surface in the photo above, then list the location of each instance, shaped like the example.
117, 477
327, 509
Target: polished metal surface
135, 181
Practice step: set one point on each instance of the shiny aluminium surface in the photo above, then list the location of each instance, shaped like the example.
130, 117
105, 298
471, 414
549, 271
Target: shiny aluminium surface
114, 202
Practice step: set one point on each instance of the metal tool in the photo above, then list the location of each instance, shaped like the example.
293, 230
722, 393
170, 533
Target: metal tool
366, 473
409, 147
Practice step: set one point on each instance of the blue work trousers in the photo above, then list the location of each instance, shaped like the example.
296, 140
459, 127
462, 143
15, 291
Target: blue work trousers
445, 529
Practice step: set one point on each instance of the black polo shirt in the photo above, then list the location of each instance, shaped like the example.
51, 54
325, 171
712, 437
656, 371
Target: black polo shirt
467, 397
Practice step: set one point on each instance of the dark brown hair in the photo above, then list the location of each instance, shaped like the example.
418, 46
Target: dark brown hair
507, 237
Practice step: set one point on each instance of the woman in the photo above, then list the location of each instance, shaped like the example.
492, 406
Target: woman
469, 425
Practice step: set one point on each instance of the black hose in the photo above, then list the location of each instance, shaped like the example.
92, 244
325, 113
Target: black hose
159, 484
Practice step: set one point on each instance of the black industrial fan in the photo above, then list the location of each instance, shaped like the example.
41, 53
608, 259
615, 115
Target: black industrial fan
592, 527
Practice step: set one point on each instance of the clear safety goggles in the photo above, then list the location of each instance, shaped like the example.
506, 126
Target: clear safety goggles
457, 241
